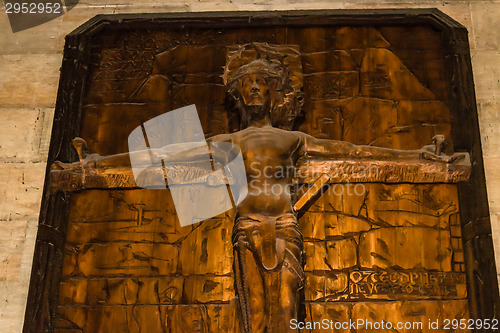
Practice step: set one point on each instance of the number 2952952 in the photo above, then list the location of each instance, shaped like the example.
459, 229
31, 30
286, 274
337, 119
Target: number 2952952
33, 8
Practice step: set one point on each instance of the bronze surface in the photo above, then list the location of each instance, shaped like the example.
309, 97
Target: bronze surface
395, 253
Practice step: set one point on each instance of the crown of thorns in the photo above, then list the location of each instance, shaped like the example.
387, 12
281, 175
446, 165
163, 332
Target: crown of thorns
279, 63
269, 69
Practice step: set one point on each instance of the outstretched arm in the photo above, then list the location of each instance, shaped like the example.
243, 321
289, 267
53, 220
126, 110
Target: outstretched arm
95, 171
219, 146
182, 152
321, 148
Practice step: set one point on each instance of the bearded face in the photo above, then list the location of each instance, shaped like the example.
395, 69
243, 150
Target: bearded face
254, 90
262, 88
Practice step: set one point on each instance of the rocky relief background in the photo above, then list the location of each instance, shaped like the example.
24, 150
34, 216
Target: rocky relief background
393, 253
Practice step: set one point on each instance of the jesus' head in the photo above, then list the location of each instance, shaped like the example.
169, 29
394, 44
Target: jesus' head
251, 87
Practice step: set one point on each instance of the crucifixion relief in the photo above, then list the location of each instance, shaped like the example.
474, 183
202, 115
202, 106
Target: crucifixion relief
264, 85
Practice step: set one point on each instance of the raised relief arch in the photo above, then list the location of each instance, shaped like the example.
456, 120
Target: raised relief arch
379, 234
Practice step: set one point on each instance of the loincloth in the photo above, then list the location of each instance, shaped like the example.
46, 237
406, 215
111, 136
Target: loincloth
276, 230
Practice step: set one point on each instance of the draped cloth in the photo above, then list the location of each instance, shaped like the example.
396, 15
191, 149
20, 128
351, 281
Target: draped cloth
268, 266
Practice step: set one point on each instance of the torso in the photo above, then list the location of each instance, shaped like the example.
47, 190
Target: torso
270, 155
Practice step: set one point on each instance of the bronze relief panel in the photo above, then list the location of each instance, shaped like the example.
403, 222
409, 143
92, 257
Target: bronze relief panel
371, 228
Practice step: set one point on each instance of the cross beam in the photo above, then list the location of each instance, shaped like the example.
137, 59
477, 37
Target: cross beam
308, 171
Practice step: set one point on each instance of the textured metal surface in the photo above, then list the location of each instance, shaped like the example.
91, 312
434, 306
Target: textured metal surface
126, 262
